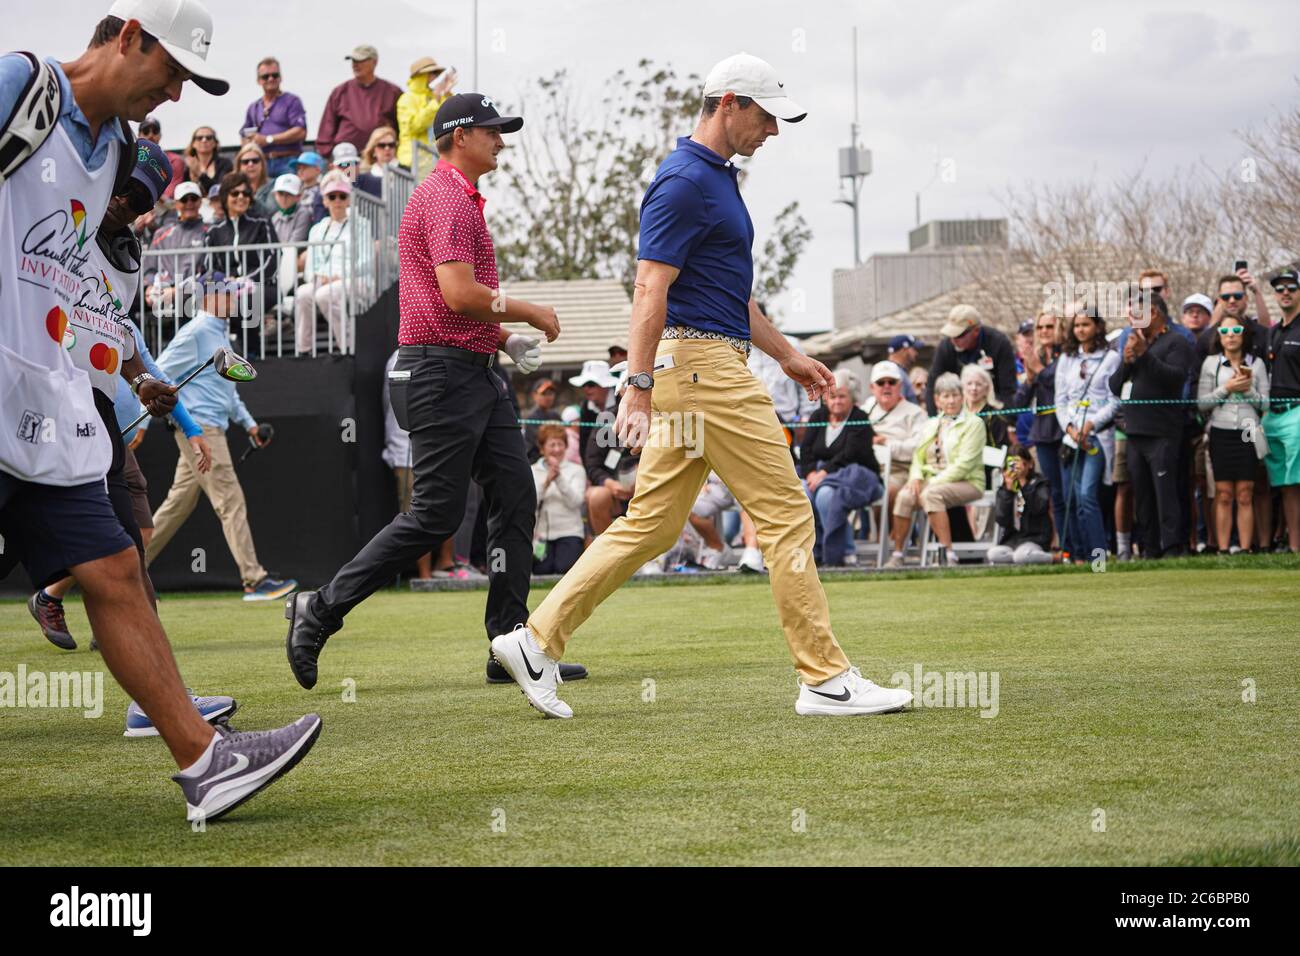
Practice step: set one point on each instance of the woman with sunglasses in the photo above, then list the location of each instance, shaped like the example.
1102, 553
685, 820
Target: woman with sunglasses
327, 268
379, 155
1085, 410
251, 161
1233, 393
244, 225
204, 165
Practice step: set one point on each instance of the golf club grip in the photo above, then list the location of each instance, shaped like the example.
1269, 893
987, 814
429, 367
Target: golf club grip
179, 385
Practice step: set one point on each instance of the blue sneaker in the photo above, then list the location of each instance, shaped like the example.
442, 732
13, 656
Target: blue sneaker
270, 589
211, 709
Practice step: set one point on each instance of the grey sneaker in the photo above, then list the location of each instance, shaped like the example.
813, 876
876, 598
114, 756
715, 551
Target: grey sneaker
243, 763
894, 563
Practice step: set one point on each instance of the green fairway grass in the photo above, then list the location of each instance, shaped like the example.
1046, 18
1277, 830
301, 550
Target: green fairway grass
1120, 706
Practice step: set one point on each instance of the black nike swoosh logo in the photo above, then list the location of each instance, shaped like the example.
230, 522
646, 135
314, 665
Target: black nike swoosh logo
840, 697
537, 675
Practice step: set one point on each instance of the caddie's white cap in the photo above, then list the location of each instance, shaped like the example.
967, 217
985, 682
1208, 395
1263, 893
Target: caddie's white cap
747, 75
184, 28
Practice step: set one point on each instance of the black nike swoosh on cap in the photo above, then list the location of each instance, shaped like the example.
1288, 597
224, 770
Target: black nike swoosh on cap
840, 697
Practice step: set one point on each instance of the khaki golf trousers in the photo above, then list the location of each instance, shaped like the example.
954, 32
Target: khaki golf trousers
710, 414
222, 487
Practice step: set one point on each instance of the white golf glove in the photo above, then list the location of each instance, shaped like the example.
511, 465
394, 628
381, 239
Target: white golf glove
526, 352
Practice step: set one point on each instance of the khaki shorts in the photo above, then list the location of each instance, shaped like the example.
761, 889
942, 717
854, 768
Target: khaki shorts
139, 489
405, 484
1120, 474
934, 497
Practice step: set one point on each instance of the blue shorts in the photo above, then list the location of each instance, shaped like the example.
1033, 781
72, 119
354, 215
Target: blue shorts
51, 529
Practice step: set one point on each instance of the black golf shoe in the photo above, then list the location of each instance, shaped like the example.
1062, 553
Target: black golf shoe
307, 635
496, 674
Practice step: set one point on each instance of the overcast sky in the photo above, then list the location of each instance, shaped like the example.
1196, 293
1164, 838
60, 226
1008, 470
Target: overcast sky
1001, 91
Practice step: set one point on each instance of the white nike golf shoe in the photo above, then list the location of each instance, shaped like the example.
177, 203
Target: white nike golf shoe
849, 695
537, 675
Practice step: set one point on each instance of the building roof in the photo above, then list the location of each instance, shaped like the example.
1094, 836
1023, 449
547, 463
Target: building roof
594, 314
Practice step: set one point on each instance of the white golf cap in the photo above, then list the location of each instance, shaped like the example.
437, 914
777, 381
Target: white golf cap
1198, 299
187, 189
747, 75
345, 153
184, 28
887, 369
595, 372
287, 183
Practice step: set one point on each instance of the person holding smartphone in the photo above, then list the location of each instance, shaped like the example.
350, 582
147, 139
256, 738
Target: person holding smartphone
1233, 393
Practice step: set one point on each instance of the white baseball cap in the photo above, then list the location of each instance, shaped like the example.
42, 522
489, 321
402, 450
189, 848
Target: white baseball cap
747, 75
345, 153
184, 28
1199, 299
887, 369
187, 189
287, 183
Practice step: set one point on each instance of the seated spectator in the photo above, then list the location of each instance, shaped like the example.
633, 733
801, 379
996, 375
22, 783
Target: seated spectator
837, 462
275, 121
242, 224
1085, 411
251, 161
543, 408
428, 87
1233, 394
966, 341
920, 379
896, 423
947, 469
210, 210
204, 165
309, 167
188, 232
977, 389
327, 270
571, 416
151, 129
560, 486
1038, 392
610, 466
346, 165
1023, 512
1282, 423
1155, 365
714, 499
356, 107
378, 156
291, 219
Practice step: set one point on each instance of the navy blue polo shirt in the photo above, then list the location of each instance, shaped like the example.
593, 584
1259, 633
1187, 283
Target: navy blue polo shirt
692, 218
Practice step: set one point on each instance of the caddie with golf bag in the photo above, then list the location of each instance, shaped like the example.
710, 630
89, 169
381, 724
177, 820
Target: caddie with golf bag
200, 360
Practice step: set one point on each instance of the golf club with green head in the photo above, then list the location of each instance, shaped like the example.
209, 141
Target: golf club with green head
230, 366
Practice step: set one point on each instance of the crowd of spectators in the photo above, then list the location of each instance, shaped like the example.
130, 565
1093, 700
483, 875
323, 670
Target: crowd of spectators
1026, 452
275, 190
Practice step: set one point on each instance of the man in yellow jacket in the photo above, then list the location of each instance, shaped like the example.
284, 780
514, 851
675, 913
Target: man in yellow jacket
417, 107
947, 469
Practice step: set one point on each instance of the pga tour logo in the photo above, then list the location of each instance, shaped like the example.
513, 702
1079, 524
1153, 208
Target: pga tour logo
74, 909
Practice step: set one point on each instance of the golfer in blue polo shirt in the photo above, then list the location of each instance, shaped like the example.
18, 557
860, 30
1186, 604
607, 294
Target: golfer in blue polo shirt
693, 324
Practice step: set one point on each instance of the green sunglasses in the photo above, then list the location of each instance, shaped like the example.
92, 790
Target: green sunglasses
1230, 330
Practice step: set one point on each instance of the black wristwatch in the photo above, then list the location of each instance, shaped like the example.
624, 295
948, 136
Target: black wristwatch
642, 380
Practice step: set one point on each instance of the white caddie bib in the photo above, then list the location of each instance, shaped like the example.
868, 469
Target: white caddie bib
98, 338
50, 210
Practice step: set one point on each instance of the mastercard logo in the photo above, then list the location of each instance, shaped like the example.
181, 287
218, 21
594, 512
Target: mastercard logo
56, 323
104, 358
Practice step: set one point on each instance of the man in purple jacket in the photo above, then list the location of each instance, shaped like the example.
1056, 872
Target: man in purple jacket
356, 108
275, 121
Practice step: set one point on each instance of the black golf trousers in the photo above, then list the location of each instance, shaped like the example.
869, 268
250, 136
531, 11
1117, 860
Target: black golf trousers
462, 426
